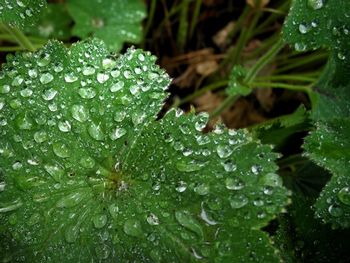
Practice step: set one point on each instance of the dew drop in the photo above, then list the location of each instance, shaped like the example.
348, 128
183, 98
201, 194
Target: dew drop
202, 121
11, 206
71, 233
34, 219
71, 200
119, 116
46, 78
229, 166
202, 189
185, 219
79, 113
271, 179
88, 70
132, 227
117, 86
70, 77
49, 94
181, 186
64, 126
335, 210
26, 92
87, 93
55, 171
99, 220
234, 183
152, 219
118, 133
40, 136
2, 186
102, 77
61, 150
5, 89
17, 81
224, 151
303, 29
238, 201
87, 162
96, 132
344, 195
315, 4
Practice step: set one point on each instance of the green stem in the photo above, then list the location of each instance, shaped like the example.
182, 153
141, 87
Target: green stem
261, 63
10, 38
194, 20
302, 61
183, 25
150, 17
21, 39
287, 77
15, 48
305, 89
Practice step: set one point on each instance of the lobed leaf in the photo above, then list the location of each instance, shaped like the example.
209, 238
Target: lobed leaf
113, 21
88, 173
20, 13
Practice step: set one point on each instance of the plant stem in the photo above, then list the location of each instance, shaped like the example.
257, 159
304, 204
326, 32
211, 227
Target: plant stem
21, 39
263, 61
183, 25
287, 77
150, 17
194, 20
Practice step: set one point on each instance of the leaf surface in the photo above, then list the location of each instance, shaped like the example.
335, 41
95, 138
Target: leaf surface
21, 13
113, 21
88, 172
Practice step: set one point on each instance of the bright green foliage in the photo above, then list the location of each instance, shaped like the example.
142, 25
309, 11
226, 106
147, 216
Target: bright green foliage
236, 85
20, 13
313, 24
54, 22
113, 21
87, 172
329, 147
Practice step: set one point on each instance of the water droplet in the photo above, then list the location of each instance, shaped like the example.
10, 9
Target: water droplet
40, 136
102, 77
46, 78
300, 46
134, 89
26, 92
113, 210
119, 116
271, 179
103, 251
344, 195
186, 220
335, 210
71, 200
132, 227
202, 189
118, 133
141, 57
43, 60
17, 81
188, 167
49, 94
79, 113
64, 126
99, 220
152, 219
5, 89
2, 103
127, 74
181, 186
234, 183
55, 171
238, 201
341, 56
61, 150
2, 186
115, 73
11, 206
258, 202
202, 121
229, 166
315, 4
117, 86
224, 151
256, 169
303, 28
206, 217
87, 93
24, 122
96, 132
89, 70
138, 117
87, 162
70, 77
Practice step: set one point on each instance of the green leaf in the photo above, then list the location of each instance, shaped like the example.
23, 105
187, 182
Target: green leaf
89, 173
329, 146
54, 22
21, 13
236, 85
113, 21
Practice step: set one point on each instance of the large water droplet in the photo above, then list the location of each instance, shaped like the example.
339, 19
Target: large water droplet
61, 150
202, 189
87, 93
229, 166
119, 116
99, 220
117, 86
88, 70
271, 179
118, 133
344, 195
96, 132
224, 151
87, 162
303, 28
71, 200
17, 81
55, 171
40, 136
186, 220
335, 210
181, 186
152, 219
238, 201
102, 77
2, 186
70, 77
132, 227
315, 4
79, 113
11, 206
46, 78
24, 122
64, 126
49, 94
234, 183
71, 233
